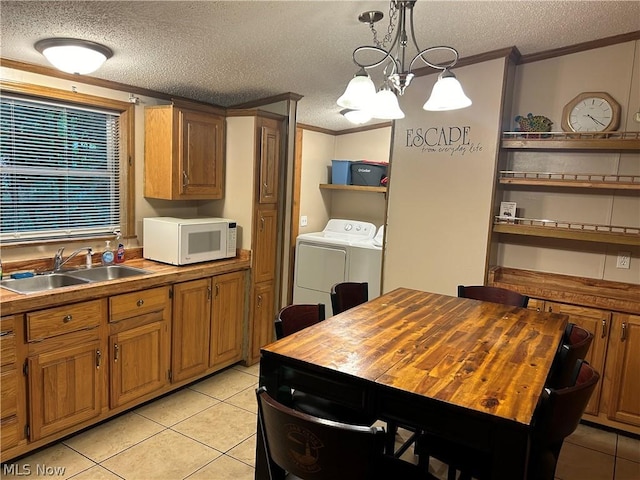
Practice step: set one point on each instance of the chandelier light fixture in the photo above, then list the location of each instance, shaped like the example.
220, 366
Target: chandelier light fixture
382, 103
73, 55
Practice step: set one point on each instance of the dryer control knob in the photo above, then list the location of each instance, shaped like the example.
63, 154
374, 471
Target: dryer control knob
358, 228
348, 227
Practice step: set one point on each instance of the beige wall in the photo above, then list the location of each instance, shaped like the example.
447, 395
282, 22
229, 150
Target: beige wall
543, 88
318, 149
440, 197
239, 170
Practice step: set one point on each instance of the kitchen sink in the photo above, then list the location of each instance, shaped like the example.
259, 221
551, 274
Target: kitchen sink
52, 281
109, 272
40, 283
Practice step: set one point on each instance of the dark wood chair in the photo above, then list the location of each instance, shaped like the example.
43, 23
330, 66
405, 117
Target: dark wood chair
556, 417
294, 318
575, 345
309, 447
493, 294
346, 295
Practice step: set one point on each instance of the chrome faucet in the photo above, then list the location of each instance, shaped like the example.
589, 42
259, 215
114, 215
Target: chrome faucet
58, 263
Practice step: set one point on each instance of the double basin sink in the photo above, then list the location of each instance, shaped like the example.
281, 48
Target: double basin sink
53, 280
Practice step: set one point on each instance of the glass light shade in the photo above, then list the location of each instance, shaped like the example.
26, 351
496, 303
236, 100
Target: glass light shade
447, 94
385, 106
359, 93
73, 55
356, 116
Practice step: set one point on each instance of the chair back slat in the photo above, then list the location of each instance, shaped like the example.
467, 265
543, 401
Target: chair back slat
493, 294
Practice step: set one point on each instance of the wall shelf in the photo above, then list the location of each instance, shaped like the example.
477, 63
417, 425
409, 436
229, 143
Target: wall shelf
571, 180
607, 141
352, 188
568, 230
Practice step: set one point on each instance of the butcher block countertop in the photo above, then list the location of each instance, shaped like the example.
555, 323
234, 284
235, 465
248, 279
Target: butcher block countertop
161, 274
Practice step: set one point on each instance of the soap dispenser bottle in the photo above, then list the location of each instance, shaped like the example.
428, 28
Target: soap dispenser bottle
107, 255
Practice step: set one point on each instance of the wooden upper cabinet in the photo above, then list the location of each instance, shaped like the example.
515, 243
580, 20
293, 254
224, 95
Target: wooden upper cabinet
269, 168
184, 153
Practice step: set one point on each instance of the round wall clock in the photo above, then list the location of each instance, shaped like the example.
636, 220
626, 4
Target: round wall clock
591, 112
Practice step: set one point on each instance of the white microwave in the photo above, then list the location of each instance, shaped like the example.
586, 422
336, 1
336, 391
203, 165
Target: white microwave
181, 241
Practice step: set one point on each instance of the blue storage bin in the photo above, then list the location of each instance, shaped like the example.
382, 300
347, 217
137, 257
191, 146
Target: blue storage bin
341, 172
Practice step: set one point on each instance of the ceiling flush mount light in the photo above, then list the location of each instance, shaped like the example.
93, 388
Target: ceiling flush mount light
72, 55
361, 93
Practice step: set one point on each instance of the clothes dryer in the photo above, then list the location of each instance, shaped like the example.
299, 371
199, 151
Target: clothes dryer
344, 251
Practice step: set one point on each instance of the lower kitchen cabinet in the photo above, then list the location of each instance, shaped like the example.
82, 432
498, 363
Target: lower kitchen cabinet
191, 328
67, 367
64, 366
140, 363
139, 344
623, 366
208, 320
597, 322
262, 306
11, 399
227, 319
65, 387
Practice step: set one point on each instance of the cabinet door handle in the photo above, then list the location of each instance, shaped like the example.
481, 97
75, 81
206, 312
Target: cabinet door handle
604, 328
116, 351
140, 302
262, 224
67, 318
185, 179
259, 301
217, 289
623, 335
98, 358
208, 293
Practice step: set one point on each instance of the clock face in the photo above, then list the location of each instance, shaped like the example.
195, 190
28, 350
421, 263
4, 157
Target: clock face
591, 114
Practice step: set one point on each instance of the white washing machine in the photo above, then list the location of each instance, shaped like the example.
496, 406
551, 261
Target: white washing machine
345, 251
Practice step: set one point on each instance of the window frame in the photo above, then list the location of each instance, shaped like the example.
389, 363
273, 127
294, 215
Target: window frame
127, 147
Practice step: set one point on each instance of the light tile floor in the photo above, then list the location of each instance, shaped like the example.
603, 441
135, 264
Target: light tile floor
207, 432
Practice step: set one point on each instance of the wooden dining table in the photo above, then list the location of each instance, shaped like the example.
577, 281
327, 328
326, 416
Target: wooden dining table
468, 370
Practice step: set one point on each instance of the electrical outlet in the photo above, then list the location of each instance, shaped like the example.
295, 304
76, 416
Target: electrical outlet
303, 221
624, 259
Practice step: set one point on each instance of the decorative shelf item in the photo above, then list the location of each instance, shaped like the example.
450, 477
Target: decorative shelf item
607, 141
352, 188
576, 180
568, 230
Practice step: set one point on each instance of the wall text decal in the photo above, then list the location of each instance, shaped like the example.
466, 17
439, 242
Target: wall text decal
451, 140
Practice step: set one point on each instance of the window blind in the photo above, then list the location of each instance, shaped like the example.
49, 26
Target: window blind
59, 168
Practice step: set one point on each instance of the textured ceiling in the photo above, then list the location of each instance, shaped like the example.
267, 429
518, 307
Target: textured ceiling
232, 52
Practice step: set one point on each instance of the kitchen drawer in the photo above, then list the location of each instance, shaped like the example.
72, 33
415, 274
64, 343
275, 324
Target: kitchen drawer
7, 342
138, 303
66, 319
8, 393
9, 428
